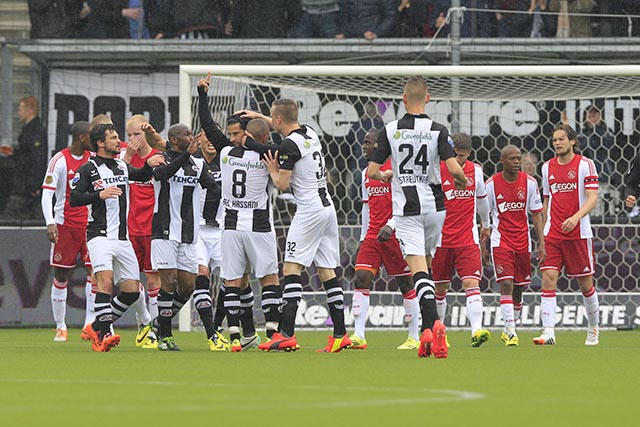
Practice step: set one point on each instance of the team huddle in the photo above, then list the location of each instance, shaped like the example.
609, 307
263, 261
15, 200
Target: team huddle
180, 208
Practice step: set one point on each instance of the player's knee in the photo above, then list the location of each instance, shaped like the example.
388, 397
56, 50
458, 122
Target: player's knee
442, 288
363, 279
506, 287
62, 274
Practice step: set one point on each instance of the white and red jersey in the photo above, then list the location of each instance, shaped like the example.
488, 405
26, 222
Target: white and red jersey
376, 202
566, 187
510, 204
60, 172
141, 198
460, 226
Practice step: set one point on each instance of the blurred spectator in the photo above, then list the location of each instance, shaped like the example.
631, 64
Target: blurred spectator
514, 24
158, 17
529, 164
474, 24
596, 143
202, 19
570, 25
371, 18
370, 120
137, 28
30, 157
248, 18
107, 19
320, 19
54, 19
412, 15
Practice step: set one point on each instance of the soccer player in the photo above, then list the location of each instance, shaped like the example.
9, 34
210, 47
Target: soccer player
416, 145
313, 234
66, 225
176, 223
512, 195
103, 183
379, 246
142, 199
570, 191
458, 247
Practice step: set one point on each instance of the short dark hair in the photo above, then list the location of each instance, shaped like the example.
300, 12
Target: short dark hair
99, 133
287, 108
237, 119
462, 141
79, 128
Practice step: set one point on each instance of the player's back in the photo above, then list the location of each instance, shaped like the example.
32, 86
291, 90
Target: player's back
302, 153
245, 191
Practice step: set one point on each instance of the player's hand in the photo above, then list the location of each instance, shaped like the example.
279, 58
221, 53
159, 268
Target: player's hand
194, 145
569, 224
271, 161
156, 160
485, 233
147, 128
52, 233
136, 143
630, 201
461, 185
385, 176
248, 114
205, 83
542, 254
110, 193
385, 233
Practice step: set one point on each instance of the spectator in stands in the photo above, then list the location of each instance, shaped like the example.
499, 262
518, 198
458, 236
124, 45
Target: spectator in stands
596, 143
371, 18
137, 28
473, 24
108, 20
248, 18
575, 25
320, 19
158, 17
30, 157
514, 24
54, 19
202, 19
529, 164
412, 16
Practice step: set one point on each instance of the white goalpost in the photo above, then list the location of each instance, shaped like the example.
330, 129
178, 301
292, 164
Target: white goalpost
496, 105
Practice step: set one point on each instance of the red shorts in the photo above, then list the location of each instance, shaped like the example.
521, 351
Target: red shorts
576, 256
466, 261
71, 243
509, 265
373, 254
142, 248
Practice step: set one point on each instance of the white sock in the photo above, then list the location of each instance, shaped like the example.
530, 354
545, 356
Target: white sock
90, 313
153, 302
474, 308
591, 304
412, 313
140, 306
441, 305
360, 309
517, 310
548, 310
506, 308
59, 303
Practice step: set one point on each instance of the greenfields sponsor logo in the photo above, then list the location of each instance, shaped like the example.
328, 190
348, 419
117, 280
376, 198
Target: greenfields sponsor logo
225, 160
396, 135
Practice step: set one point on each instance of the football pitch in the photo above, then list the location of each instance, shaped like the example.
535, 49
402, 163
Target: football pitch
43, 383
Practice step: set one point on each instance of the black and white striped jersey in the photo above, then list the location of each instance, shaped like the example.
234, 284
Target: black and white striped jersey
176, 214
245, 191
211, 209
107, 218
301, 153
416, 145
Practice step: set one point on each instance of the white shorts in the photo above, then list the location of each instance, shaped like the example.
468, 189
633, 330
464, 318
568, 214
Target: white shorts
244, 248
209, 247
419, 234
169, 255
114, 255
313, 238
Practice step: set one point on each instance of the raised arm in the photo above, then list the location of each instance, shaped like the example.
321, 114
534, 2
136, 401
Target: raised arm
211, 129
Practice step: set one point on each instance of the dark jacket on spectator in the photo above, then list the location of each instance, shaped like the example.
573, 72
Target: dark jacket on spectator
377, 16
264, 19
158, 17
30, 156
54, 19
106, 21
208, 16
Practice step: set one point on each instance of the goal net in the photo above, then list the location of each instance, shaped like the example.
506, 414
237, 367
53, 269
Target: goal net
496, 105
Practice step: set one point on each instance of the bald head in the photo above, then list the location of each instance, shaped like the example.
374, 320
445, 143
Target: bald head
508, 150
416, 91
259, 128
79, 128
176, 130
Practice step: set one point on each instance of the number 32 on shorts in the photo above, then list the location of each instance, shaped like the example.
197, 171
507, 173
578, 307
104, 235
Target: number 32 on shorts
291, 248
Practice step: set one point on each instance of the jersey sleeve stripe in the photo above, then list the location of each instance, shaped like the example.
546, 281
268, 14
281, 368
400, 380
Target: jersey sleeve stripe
46, 187
54, 160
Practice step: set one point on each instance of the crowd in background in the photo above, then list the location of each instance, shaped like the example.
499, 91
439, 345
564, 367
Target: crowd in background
368, 19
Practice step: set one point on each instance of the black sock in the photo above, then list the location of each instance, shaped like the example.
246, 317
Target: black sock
426, 291
335, 301
122, 302
220, 313
291, 296
178, 302
165, 313
271, 300
104, 315
246, 312
232, 307
204, 305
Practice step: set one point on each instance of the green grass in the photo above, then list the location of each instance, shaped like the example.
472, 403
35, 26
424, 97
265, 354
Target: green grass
43, 383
